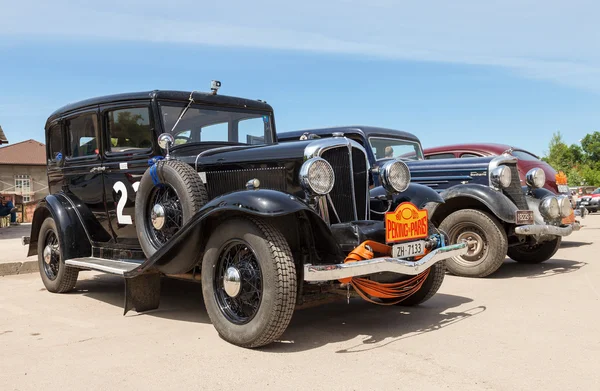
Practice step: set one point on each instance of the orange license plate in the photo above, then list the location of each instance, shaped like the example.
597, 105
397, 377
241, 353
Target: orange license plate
405, 223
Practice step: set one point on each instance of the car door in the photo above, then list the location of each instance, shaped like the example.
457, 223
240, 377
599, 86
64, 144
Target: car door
82, 172
128, 142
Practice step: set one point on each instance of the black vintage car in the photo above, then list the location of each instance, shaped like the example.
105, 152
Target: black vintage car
484, 201
196, 186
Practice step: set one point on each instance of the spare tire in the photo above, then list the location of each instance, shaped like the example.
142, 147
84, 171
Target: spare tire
162, 208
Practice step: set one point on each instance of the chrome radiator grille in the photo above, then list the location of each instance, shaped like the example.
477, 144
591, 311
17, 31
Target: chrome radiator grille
515, 191
348, 199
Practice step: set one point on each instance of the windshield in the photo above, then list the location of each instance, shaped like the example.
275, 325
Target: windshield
216, 125
597, 191
386, 148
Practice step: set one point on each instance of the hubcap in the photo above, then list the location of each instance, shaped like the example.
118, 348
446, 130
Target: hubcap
474, 242
47, 254
232, 281
157, 215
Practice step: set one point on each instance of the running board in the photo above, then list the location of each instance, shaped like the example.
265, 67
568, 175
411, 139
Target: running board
111, 266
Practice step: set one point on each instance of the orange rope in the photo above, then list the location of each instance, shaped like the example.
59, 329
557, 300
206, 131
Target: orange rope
367, 288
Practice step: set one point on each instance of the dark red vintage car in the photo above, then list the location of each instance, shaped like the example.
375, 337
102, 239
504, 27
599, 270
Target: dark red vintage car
527, 160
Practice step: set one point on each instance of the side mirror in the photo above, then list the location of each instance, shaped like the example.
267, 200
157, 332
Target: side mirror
165, 141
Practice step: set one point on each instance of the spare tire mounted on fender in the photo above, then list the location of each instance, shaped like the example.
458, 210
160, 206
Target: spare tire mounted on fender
170, 193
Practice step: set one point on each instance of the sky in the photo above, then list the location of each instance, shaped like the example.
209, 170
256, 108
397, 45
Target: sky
449, 72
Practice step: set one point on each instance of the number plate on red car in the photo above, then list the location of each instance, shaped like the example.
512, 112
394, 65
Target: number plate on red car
524, 217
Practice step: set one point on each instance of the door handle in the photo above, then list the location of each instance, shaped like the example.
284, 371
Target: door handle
98, 169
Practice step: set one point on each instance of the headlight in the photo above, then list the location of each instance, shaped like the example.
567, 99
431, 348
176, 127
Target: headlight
395, 176
536, 178
564, 204
549, 208
501, 176
316, 176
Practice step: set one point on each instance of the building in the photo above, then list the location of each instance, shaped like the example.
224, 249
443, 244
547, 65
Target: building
23, 175
3, 139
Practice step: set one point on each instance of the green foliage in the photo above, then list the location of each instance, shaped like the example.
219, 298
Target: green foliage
580, 163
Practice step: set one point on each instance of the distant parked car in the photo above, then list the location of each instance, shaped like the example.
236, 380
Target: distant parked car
555, 182
591, 202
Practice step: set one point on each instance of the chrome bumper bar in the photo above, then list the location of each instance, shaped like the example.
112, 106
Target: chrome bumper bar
545, 230
313, 273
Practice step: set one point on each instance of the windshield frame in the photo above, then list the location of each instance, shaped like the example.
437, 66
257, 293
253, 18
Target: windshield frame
418, 148
235, 109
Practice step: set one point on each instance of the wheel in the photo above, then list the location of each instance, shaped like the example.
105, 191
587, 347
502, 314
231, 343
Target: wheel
536, 253
248, 282
432, 283
486, 238
56, 276
162, 210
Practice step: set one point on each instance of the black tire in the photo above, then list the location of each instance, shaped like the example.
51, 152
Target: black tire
536, 253
490, 243
187, 195
278, 282
56, 276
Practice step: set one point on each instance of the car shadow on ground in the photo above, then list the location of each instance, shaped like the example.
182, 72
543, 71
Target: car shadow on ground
179, 300
310, 327
571, 244
550, 268
377, 326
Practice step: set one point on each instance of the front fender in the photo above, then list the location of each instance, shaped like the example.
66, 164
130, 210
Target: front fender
186, 247
494, 201
419, 195
71, 232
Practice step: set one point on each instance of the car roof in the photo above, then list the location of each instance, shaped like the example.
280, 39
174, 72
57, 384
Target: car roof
365, 131
182, 96
492, 148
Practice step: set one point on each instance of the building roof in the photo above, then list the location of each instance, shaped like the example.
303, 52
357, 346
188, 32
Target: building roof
3, 139
29, 152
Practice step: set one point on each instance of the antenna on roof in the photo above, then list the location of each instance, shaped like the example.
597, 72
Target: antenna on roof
214, 86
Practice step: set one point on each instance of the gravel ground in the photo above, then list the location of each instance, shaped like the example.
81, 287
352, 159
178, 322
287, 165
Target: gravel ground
525, 327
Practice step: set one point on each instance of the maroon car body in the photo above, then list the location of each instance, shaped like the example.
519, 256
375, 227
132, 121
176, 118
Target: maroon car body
527, 160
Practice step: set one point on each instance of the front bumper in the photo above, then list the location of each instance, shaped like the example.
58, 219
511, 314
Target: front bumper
547, 230
329, 272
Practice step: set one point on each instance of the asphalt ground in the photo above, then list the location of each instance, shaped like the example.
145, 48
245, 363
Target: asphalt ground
533, 327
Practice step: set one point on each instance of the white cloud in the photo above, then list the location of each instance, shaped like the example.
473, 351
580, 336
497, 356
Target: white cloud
552, 40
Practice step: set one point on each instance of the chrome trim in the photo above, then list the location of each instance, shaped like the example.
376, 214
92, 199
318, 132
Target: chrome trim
531, 175
323, 210
495, 162
318, 146
329, 272
118, 267
352, 181
544, 230
305, 180
496, 176
384, 173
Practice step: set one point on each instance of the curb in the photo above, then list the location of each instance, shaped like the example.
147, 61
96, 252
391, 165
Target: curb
12, 268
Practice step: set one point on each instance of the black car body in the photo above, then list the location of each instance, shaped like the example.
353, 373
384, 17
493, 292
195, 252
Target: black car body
196, 186
496, 219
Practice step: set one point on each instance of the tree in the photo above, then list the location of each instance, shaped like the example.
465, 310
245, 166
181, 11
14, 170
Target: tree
579, 163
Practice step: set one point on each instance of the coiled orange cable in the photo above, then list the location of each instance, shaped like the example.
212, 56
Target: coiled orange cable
368, 289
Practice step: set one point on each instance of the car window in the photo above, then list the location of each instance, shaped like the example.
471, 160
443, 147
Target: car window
251, 131
82, 131
386, 148
465, 155
525, 156
129, 129
54, 142
440, 156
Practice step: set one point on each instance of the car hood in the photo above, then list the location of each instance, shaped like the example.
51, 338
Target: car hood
239, 156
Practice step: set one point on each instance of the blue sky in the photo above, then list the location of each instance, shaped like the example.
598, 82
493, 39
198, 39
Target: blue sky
449, 72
